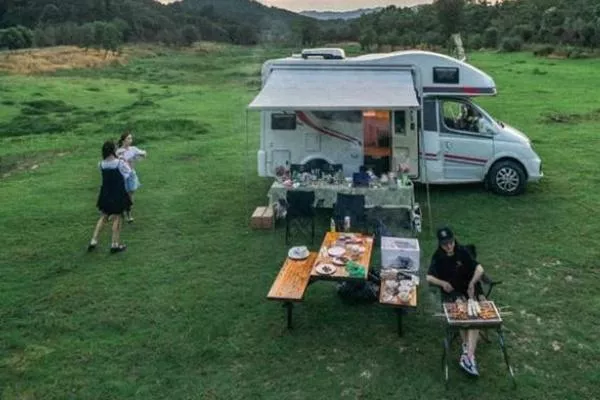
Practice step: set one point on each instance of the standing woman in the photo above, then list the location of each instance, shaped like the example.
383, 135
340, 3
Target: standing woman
113, 200
130, 154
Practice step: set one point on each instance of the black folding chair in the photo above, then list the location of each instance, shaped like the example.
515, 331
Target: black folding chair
300, 208
353, 206
297, 168
486, 283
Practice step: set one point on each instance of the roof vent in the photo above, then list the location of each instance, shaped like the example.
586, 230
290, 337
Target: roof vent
325, 53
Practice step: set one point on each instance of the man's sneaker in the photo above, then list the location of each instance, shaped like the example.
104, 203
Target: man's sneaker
469, 365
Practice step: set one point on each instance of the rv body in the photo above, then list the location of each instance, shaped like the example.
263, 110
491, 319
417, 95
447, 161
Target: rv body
386, 111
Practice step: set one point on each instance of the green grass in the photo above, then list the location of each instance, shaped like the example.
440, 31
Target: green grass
183, 315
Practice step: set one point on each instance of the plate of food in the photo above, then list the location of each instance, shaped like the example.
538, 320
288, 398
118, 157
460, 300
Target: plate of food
336, 251
341, 261
298, 253
326, 269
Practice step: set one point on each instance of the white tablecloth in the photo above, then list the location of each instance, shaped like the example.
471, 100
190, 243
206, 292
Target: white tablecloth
326, 194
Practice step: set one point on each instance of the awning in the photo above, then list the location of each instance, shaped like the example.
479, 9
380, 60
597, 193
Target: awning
336, 89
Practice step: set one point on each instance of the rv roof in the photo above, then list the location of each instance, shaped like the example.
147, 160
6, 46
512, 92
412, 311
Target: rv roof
439, 74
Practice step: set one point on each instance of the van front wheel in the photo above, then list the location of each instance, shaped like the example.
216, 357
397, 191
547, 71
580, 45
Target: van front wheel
507, 178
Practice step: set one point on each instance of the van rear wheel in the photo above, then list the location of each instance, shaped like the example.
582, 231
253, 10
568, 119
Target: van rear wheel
507, 178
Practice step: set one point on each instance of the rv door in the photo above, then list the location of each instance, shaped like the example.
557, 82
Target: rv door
465, 145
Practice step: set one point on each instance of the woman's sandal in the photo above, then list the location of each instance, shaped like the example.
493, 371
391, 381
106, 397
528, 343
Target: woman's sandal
118, 249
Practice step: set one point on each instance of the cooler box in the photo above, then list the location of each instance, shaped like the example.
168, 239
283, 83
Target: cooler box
400, 253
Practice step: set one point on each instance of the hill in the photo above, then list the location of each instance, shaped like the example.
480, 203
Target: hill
237, 21
346, 15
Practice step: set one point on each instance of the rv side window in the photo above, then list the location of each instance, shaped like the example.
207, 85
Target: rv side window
445, 75
460, 116
284, 122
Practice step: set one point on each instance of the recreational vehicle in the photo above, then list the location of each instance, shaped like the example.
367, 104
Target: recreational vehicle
383, 111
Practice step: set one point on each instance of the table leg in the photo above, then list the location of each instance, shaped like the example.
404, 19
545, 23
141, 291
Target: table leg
290, 307
506, 360
445, 354
399, 313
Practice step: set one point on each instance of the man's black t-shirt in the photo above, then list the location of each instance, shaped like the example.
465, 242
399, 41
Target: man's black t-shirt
457, 269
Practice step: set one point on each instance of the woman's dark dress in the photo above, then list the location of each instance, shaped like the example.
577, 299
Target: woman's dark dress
113, 198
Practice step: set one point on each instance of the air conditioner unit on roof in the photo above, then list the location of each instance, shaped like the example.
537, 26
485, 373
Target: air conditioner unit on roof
325, 53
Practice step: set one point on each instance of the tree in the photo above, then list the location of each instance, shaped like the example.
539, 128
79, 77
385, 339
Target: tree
450, 15
11, 39
367, 38
490, 37
111, 41
50, 15
27, 36
189, 34
86, 36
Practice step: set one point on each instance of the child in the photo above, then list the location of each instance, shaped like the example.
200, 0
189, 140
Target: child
130, 154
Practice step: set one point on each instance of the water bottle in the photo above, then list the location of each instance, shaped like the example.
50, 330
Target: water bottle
332, 225
346, 223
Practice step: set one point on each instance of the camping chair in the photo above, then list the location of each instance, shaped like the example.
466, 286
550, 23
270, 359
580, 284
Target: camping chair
300, 206
298, 168
353, 206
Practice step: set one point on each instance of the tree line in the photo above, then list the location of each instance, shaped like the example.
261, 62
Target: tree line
107, 24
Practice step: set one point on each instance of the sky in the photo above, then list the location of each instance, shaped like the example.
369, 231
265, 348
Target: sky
332, 5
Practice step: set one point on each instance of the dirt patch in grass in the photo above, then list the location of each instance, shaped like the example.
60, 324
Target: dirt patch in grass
34, 61
11, 164
48, 106
563, 118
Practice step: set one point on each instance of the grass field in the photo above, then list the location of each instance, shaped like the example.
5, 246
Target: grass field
182, 314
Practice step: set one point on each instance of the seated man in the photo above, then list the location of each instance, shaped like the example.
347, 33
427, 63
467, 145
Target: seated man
457, 274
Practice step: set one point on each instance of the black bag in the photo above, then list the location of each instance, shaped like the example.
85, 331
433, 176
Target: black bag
360, 291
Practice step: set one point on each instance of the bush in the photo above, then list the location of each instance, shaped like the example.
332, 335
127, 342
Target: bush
490, 38
525, 32
475, 42
543, 50
511, 44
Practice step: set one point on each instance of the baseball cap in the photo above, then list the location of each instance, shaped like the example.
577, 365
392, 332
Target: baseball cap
445, 235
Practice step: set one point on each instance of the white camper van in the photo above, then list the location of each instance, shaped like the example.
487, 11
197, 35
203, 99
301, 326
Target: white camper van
384, 110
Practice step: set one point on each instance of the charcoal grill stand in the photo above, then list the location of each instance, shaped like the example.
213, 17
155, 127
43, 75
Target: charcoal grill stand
452, 332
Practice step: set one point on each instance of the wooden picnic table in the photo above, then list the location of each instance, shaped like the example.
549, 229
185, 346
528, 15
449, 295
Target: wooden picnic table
341, 273
400, 306
296, 275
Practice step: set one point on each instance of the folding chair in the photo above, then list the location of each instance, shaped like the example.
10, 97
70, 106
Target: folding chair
296, 168
353, 206
300, 207
486, 282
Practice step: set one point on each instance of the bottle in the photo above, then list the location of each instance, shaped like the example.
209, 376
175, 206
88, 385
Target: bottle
332, 225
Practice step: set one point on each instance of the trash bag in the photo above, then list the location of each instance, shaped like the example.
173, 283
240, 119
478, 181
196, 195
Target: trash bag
360, 291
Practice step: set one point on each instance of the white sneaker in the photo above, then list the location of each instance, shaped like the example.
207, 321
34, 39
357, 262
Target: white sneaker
469, 365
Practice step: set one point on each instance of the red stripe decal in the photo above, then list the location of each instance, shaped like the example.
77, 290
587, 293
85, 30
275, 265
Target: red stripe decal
472, 159
329, 132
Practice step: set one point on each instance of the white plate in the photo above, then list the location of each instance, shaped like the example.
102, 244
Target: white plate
326, 269
336, 251
298, 253
338, 261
